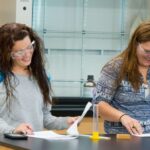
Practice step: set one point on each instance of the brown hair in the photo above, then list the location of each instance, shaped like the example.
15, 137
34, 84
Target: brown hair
9, 34
129, 67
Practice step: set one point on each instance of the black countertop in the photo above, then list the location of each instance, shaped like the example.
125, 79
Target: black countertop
81, 143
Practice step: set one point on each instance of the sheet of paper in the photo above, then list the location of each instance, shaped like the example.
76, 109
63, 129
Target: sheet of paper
142, 135
50, 135
73, 129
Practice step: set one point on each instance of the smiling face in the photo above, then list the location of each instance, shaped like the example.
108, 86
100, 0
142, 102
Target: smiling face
143, 54
22, 52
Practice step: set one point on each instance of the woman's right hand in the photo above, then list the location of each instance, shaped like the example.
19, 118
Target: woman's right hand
131, 124
23, 128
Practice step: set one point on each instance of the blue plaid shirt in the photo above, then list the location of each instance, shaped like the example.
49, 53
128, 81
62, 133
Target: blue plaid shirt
123, 97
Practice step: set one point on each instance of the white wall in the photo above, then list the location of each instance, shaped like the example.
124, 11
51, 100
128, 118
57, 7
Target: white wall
7, 11
71, 58
16, 11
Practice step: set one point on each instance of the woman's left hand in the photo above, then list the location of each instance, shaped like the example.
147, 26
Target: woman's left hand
71, 120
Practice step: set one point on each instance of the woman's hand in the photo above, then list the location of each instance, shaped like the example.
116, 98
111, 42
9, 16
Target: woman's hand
71, 120
132, 125
24, 128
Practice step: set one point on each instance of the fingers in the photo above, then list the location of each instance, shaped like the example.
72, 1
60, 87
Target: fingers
71, 120
29, 129
24, 129
136, 129
132, 125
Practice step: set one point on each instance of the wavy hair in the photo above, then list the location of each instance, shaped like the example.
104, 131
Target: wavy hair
9, 34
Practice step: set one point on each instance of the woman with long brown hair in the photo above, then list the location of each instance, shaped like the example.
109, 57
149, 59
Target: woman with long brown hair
123, 89
25, 91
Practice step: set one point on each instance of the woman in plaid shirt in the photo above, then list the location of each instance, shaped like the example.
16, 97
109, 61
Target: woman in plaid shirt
123, 89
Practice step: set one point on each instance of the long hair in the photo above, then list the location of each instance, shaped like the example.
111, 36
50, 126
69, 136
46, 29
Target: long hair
9, 34
129, 68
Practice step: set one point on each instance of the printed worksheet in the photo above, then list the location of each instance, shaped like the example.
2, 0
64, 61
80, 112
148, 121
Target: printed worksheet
50, 135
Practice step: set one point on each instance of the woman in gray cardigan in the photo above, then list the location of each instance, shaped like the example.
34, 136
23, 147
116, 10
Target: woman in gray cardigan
25, 91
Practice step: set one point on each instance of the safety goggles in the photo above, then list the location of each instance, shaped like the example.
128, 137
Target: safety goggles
21, 52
